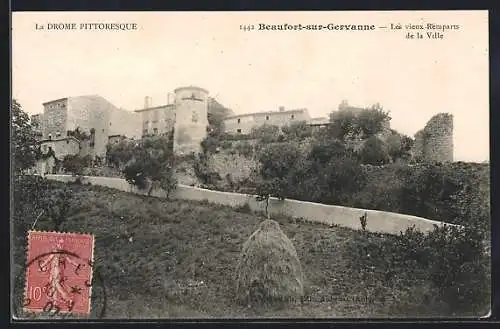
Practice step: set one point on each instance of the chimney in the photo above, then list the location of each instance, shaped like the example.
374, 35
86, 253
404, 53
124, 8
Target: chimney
282, 108
147, 102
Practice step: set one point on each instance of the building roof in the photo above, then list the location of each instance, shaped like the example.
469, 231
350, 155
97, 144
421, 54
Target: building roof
265, 113
191, 87
55, 100
93, 96
154, 107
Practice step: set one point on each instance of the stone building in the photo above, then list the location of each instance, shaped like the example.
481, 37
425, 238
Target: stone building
156, 120
91, 114
244, 123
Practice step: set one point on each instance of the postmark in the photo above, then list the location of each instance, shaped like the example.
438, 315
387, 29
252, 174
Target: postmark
59, 273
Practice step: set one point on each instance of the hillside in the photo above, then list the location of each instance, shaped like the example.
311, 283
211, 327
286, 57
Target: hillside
173, 259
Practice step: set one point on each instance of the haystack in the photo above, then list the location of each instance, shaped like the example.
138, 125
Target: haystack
269, 269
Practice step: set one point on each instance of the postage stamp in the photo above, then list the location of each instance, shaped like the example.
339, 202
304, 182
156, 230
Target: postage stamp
59, 278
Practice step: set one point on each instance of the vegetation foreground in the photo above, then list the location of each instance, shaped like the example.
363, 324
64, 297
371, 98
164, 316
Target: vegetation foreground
171, 259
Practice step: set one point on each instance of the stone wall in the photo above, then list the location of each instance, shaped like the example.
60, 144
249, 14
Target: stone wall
434, 143
377, 221
124, 123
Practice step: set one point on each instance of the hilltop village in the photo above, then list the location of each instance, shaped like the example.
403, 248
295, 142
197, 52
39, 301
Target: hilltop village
186, 115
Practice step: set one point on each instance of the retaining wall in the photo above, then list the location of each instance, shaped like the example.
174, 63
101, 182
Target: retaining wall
377, 221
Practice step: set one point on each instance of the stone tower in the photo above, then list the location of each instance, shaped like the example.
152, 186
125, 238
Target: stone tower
434, 143
438, 145
191, 119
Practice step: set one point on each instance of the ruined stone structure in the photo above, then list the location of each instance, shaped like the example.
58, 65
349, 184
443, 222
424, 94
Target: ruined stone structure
191, 119
434, 143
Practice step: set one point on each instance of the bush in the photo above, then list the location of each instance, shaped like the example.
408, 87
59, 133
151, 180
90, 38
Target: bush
245, 149
209, 144
452, 259
269, 269
297, 131
203, 172
75, 163
374, 152
134, 175
459, 268
266, 133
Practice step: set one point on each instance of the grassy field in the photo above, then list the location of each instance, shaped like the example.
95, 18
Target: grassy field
175, 259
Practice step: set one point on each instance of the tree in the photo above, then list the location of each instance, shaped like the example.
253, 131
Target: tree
152, 161
342, 123
374, 152
216, 115
399, 146
372, 120
79, 134
119, 154
24, 146
277, 162
323, 150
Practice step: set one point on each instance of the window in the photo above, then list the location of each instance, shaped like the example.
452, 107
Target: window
238, 131
92, 137
239, 120
267, 117
67, 141
146, 122
110, 123
50, 136
155, 131
293, 116
45, 148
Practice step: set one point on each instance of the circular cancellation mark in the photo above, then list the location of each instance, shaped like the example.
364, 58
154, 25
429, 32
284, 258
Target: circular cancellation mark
22, 299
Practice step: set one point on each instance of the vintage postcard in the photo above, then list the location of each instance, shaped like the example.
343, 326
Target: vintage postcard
250, 165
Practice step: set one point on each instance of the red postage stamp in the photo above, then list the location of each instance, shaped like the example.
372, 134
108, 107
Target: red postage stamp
59, 272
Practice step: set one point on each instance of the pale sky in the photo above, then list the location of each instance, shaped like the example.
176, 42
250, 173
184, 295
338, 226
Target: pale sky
252, 71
